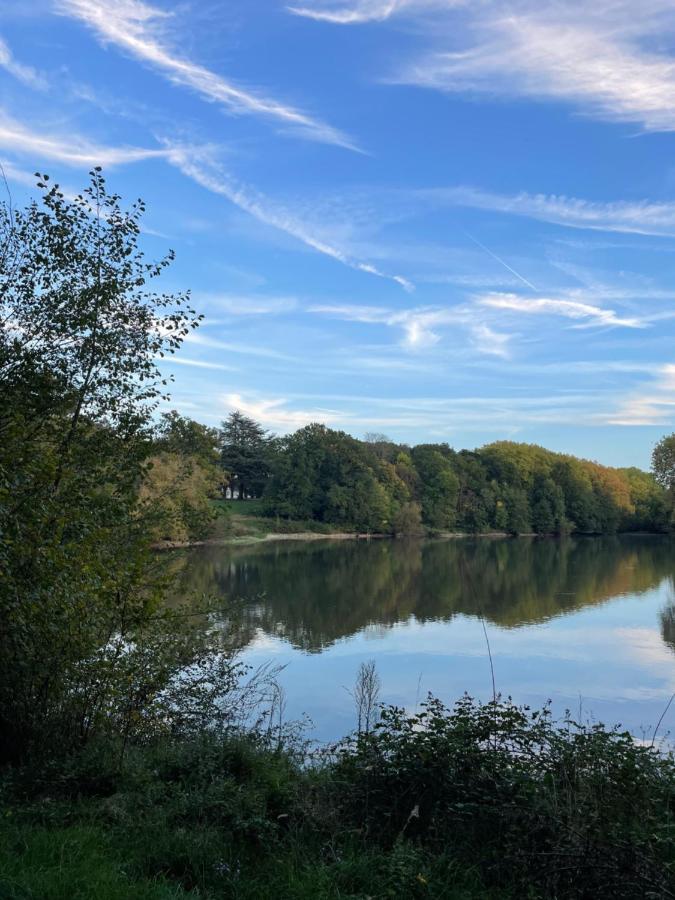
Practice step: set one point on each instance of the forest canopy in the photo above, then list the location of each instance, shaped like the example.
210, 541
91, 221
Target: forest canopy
377, 485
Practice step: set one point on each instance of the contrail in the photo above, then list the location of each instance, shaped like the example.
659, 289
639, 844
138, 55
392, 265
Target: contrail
500, 260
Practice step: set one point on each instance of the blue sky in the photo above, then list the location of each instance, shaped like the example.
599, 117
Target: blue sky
441, 220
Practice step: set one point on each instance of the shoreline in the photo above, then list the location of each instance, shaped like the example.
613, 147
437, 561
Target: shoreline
309, 536
270, 538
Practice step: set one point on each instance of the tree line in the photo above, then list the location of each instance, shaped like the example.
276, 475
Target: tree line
378, 485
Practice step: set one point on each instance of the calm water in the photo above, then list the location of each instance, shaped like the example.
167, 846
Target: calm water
587, 621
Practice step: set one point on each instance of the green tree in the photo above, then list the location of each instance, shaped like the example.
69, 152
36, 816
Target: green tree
651, 509
245, 455
180, 434
79, 381
329, 476
519, 515
439, 485
577, 487
663, 462
548, 506
663, 467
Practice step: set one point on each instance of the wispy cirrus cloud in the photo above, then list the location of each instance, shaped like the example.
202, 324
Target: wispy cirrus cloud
197, 363
256, 350
420, 326
275, 413
195, 163
490, 342
549, 54
71, 149
246, 304
651, 404
210, 176
629, 217
27, 74
366, 10
137, 28
585, 314
442, 416
605, 59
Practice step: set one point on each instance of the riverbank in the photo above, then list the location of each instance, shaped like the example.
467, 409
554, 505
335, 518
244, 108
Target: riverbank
473, 803
271, 536
242, 523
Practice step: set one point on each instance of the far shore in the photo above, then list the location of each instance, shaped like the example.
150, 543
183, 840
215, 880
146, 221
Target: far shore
330, 536
244, 540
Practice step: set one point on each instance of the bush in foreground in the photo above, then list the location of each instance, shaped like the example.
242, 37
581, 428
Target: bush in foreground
479, 801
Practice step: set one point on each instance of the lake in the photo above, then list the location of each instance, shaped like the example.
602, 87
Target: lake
588, 623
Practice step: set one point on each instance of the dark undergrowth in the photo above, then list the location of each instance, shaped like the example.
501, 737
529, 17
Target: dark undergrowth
482, 801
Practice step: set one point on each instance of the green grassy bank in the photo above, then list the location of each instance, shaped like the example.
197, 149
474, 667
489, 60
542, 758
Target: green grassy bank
475, 802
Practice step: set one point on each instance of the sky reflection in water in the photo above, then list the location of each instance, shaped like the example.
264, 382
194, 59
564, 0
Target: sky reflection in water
584, 622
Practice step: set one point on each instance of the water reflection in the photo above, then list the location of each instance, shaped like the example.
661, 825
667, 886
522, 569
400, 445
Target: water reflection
588, 623
313, 595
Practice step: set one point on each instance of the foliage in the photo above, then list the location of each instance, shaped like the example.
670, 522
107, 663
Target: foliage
439, 485
551, 810
376, 485
329, 476
663, 462
181, 480
407, 520
245, 455
78, 383
663, 467
178, 434
481, 801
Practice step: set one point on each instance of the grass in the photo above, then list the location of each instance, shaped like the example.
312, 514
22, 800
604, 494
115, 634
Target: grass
71, 863
200, 819
482, 801
246, 519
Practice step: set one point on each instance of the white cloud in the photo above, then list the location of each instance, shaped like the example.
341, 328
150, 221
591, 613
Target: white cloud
136, 27
640, 217
198, 363
366, 10
653, 404
493, 343
23, 73
570, 309
560, 57
274, 413
607, 57
420, 325
417, 324
70, 149
202, 339
209, 176
194, 163
437, 415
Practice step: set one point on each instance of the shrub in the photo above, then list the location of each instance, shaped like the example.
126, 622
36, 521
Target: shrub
565, 809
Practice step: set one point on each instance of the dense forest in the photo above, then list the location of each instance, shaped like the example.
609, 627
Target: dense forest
376, 485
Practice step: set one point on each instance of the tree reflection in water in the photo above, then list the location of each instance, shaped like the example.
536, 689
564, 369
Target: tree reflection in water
318, 593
